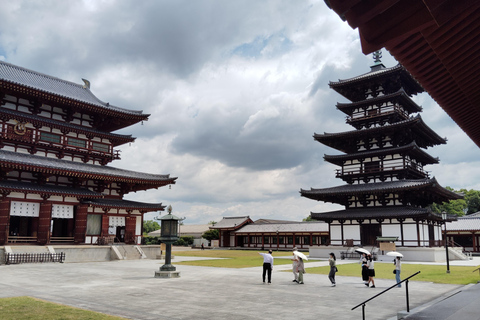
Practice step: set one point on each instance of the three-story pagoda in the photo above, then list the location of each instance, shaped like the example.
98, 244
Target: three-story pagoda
56, 139
387, 191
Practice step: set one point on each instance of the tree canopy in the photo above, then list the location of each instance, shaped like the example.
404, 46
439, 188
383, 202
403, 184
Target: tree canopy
149, 226
468, 205
211, 234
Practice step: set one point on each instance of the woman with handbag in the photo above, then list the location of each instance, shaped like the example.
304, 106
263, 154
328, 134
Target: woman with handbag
333, 268
398, 268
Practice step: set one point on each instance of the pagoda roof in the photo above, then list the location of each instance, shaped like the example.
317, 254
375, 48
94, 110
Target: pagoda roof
124, 204
437, 41
54, 89
51, 166
340, 194
379, 213
345, 141
377, 74
400, 95
116, 139
411, 148
50, 190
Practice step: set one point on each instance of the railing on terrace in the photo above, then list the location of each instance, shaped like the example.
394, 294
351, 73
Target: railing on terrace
378, 113
358, 171
15, 239
16, 258
396, 284
62, 239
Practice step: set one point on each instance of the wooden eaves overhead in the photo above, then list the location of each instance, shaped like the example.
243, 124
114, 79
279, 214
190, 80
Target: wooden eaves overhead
437, 41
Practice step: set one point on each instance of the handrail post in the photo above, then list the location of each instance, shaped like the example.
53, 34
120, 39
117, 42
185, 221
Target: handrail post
363, 311
408, 300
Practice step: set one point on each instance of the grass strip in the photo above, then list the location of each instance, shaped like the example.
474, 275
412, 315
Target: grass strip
231, 258
430, 273
28, 308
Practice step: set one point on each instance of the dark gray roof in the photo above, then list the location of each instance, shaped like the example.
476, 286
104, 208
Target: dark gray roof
380, 187
465, 223
28, 187
230, 222
55, 86
284, 227
352, 189
376, 213
411, 147
400, 94
65, 167
377, 73
60, 125
412, 121
124, 204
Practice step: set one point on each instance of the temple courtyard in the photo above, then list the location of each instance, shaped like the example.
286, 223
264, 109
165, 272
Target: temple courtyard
128, 289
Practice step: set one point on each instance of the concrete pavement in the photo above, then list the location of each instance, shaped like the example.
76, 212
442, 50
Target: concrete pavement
128, 289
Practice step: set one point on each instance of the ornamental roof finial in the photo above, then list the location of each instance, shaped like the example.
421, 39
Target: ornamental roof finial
377, 55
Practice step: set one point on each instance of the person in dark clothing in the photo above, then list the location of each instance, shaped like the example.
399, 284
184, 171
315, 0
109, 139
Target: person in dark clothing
364, 268
267, 265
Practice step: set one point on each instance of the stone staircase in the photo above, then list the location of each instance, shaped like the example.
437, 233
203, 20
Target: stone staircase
457, 254
128, 252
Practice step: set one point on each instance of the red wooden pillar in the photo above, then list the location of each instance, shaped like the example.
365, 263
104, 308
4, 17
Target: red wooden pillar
4, 221
80, 223
130, 226
44, 223
105, 224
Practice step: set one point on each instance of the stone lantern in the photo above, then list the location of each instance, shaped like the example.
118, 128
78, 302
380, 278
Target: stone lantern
168, 235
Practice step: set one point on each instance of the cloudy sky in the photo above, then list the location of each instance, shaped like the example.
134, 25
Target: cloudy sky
235, 89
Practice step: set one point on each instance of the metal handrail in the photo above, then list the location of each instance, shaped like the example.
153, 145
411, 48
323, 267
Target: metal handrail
396, 284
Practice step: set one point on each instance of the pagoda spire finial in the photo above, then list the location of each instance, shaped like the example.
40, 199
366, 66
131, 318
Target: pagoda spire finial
377, 55
377, 65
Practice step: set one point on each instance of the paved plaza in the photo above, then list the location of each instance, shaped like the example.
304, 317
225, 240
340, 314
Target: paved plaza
128, 289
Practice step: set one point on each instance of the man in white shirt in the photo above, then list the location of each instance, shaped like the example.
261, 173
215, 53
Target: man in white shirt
267, 265
294, 265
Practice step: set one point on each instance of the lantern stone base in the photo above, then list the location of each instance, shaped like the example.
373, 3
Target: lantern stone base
167, 274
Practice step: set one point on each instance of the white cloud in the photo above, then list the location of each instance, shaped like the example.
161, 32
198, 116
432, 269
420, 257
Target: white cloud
235, 91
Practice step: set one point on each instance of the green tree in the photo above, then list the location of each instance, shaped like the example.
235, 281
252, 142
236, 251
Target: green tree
452, 207
472, 198
211, 234
309, 218
149, 226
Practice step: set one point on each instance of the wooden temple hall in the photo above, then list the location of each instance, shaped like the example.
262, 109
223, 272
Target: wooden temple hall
55, 182
386, 191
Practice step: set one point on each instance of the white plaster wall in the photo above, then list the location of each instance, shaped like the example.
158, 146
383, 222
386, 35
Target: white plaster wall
352, 232
410, 233
138, 225
392, 230
335, 235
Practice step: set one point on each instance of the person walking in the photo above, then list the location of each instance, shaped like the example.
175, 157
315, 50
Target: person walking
371, 271
363, 262
333, 268
300, 270
398, 269
294, 266
267, 265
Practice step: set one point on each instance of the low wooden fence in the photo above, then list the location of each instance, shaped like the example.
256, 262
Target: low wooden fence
16, 258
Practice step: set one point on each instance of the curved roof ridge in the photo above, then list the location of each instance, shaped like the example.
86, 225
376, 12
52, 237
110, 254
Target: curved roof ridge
54, 85
58, 164
365, 75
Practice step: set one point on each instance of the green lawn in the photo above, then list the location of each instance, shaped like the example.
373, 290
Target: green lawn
431, 273
248, 258
27, 308
231, 258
